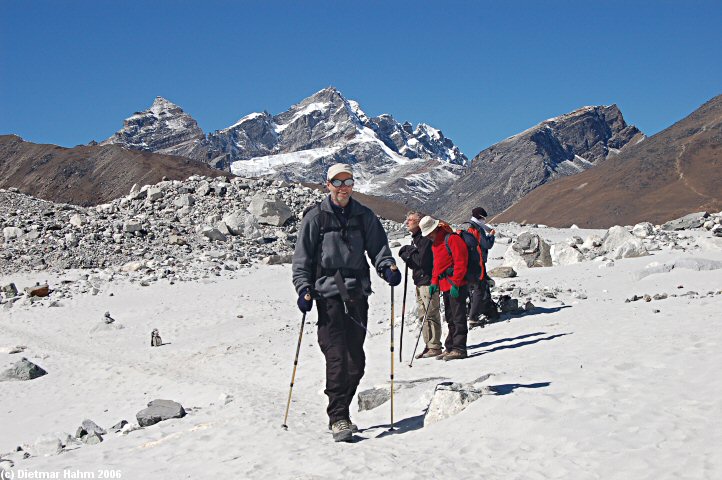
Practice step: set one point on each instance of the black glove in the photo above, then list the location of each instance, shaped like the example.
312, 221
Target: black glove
392, 276
406, 251
304, 304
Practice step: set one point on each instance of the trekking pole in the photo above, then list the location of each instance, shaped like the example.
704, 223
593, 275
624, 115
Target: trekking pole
423, 322
403, 311
295, 363
392, 359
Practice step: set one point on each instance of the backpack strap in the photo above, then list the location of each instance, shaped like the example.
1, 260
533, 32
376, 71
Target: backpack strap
449, 272
326, 224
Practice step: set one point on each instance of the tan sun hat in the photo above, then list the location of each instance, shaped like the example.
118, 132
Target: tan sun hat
337, 168
427, 225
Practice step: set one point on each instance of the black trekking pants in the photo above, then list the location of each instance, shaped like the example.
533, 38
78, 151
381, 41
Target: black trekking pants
341, 338
455, 316
481, 301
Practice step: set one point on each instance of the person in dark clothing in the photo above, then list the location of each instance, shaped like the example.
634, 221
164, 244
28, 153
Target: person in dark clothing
419, 258
479, 292
450, 265
329, 264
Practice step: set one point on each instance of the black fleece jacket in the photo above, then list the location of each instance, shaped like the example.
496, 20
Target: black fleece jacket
419, 258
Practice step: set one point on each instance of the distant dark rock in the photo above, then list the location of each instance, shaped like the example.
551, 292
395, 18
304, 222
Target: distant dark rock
693, 220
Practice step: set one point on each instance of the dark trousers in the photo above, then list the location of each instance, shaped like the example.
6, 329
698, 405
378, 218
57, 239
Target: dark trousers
481, 301
455, 316
341, 338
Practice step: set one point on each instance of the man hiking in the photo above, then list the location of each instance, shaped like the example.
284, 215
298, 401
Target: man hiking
419, 258
330, 265
483, 309
450, 265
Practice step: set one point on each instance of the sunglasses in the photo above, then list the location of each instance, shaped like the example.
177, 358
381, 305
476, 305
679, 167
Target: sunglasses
337, 183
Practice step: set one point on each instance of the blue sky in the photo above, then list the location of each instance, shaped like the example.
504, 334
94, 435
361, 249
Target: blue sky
480, 71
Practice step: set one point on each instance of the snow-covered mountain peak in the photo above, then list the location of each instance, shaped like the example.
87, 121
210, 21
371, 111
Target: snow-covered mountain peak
429, 131
299, 144
163, 106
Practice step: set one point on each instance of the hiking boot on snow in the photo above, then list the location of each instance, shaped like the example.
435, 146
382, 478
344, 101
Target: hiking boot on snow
341, 431
454, 355
442, 355
421, 355
432, 352
354, 427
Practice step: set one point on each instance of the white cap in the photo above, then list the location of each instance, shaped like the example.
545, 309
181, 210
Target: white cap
428, 224
337, 168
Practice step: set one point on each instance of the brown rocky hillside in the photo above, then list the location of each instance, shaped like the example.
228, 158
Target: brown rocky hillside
87, 175
675, 172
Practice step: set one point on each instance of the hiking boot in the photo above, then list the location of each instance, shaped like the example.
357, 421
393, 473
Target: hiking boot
421, 355
354, 427
442, 355
432, 352
342, 431
454, 355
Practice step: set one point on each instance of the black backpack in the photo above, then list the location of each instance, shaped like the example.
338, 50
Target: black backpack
473, 265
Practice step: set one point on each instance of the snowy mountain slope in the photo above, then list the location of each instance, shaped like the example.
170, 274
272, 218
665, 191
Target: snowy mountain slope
327, 128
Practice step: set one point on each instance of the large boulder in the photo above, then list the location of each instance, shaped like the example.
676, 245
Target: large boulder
643, 230
592, 242
693, 220
91, 427
132, 226
269, 210
9, 290
11, 233
213, 234
451, 398
45, 445
77, 220
159, 410
502, 272
154, 194
235, 222
23, 370
277, 259
372, 398
619, 243
697, 264
184, 200
529, 250
565, 254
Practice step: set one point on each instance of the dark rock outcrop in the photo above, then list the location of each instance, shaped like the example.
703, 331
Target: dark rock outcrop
562, 146
673, 173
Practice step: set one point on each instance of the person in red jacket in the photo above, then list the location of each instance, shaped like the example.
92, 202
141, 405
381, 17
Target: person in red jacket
450, 264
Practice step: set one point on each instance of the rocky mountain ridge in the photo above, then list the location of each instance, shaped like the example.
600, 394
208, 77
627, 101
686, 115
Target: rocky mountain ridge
392, 159
674, 172
561, 146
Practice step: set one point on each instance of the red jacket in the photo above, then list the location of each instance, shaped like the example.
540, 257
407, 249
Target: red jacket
477, 235
442, 260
